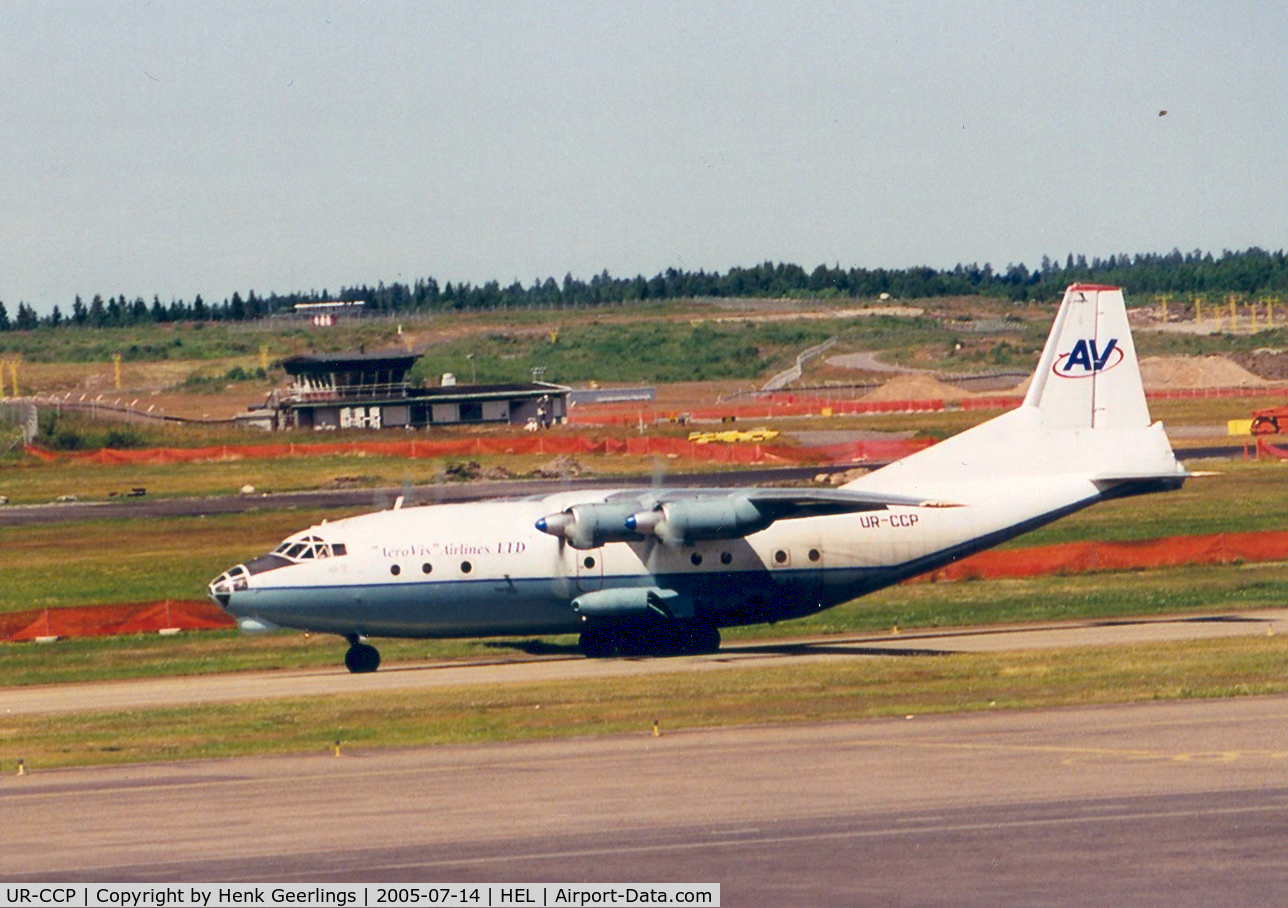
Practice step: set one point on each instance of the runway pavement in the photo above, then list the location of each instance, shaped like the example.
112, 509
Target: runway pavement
151, 693
381, 498
1176, 803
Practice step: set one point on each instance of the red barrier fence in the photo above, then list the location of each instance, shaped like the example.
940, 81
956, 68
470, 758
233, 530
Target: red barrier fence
1087, 557
111, 620
540, 444
773, 405
1069, 558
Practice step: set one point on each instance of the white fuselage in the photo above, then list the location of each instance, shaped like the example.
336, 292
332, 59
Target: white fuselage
483, 568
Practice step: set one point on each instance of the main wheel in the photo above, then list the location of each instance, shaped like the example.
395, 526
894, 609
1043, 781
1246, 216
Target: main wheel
703, 638
362, 658
598, 642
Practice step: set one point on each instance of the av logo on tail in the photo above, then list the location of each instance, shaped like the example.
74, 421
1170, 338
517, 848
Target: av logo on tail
1087, 359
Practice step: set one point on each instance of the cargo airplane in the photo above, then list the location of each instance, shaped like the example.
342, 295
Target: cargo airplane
651, 570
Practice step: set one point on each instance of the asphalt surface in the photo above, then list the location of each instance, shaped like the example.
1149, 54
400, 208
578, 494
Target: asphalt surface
1176, 804
513, 667
133, 508
379, 498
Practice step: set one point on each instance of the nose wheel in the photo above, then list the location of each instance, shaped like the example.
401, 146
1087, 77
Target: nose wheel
361, 657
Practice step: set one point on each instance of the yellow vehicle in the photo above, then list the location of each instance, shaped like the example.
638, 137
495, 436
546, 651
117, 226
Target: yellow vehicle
733, 436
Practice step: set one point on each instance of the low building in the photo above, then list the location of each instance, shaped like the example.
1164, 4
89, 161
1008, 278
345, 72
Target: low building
373, 391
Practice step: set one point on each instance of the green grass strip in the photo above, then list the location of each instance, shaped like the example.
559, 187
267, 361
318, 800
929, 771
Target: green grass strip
831, 689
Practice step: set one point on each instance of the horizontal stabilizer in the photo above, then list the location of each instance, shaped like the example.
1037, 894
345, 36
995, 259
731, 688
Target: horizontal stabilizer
784, 504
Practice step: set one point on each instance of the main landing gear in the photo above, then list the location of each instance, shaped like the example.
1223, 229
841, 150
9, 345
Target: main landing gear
647, 638
361, 657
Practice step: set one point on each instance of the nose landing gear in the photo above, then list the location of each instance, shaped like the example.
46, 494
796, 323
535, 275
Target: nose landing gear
361, 657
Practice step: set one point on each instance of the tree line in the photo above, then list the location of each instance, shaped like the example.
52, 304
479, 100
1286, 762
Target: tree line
1252, 271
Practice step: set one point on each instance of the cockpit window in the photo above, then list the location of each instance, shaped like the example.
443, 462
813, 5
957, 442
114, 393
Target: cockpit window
299, 548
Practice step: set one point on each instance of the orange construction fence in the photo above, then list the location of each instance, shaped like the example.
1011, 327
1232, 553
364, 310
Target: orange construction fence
1086, 557
111, 620
769, 407
539, 444
778, 404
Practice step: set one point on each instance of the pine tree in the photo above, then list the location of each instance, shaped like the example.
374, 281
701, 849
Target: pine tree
27, 319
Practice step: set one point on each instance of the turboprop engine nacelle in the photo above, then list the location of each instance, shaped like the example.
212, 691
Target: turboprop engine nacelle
638, 600
686, 521
588, 526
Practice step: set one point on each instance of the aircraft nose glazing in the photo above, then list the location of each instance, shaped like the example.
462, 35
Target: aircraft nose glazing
230, 581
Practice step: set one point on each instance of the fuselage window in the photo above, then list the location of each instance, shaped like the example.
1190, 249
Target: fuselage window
426, 568
696, 558
466, 567
395, 569
726, 558
589, 562
780, 557
338, 549
815, 554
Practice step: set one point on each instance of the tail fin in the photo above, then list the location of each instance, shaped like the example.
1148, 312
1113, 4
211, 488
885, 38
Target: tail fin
1084, 415
1088, 376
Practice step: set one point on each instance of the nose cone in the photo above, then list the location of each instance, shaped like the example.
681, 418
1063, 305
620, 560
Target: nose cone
555, 524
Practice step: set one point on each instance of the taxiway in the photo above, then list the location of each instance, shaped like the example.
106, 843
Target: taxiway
233, 687
1176, 804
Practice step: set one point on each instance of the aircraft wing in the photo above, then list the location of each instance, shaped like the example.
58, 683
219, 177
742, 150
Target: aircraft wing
683, 516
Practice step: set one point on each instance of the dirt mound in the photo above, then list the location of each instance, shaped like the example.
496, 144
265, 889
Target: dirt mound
1272, 365
917, 386
1177, 372
1195, 372
562, 467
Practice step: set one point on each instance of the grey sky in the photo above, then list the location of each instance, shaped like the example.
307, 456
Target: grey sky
158, 147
